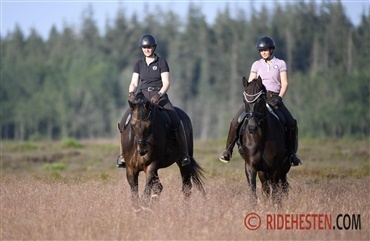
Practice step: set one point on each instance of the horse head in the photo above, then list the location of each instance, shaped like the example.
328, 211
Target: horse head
141, 123
254, 103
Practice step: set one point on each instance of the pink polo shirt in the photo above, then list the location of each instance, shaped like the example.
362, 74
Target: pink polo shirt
270, 73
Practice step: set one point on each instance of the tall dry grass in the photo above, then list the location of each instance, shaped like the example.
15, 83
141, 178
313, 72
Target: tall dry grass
54, 191
37, 209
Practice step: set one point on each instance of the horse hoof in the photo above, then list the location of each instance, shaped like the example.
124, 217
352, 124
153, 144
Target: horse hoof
155, 197
137, 210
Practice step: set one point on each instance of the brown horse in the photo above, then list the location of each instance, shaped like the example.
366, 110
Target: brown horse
263, 144
149, 145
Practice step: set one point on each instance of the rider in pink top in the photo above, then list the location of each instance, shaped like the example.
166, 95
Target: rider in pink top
270, 73
273, 72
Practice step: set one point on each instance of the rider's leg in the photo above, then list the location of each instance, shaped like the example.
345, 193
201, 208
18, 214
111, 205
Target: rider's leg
120, 160
292, 135
226, 154
183, 143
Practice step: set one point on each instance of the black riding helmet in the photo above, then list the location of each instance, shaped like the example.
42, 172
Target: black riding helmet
147, 40
265, 43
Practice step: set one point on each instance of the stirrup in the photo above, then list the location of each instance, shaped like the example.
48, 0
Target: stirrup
119, 163
295, 163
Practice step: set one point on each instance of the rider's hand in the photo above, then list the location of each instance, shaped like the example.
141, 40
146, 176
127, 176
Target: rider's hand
275, 102
155, 99
131, 96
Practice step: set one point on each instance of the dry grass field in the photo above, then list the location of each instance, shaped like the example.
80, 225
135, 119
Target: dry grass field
71, 190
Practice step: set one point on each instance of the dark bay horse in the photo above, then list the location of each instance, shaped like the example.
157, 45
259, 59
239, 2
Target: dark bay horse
263, 143
149, 145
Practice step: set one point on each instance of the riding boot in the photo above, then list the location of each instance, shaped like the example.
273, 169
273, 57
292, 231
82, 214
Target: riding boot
183, 144
293, 145
120, 160
226, 154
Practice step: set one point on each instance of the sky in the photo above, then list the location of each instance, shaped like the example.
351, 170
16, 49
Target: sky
43, 14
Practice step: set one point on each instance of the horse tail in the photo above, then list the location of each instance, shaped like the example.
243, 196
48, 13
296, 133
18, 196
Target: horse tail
197, 175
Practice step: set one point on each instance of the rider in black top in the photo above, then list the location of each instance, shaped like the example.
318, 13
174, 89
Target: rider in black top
153, 73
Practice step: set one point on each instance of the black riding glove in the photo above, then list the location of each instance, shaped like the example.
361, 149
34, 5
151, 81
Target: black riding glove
275, 102
155, 99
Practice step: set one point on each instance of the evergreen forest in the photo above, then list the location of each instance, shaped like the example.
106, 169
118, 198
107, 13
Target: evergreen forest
75, 82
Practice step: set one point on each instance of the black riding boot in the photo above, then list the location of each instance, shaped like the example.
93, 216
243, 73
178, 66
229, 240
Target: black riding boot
226, 154
293, 145
120, 160
183, 144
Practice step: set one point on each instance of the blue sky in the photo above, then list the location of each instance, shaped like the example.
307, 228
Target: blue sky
42, 14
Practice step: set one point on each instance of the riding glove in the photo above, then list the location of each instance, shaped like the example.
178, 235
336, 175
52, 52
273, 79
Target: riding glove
275, 102
155, 99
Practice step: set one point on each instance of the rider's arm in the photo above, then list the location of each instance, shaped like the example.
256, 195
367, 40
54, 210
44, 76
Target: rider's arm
252, 76
166, 82
284, 83
134, 82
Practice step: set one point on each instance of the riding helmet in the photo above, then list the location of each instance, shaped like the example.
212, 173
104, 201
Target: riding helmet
265, 43
147, 40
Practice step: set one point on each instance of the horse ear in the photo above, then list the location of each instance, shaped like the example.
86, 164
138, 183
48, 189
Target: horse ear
245, 82
259, 79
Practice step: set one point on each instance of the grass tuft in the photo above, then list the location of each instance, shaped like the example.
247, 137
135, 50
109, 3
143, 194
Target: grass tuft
71, 143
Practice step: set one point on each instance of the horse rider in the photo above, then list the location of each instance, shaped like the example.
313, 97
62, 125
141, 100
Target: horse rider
273, 72
153, 73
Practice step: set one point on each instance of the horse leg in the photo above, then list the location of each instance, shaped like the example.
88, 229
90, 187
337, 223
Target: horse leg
156, 187
186, 180
276, 190
265, 184
285, 186
152, 179
133, 180
251, 177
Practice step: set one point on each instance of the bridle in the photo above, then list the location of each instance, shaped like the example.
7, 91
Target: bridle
254, 114
144, 140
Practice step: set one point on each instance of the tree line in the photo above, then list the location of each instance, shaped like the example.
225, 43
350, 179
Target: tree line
75, 83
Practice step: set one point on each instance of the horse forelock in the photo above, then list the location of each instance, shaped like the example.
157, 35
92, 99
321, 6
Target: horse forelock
253, 88
140, 98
